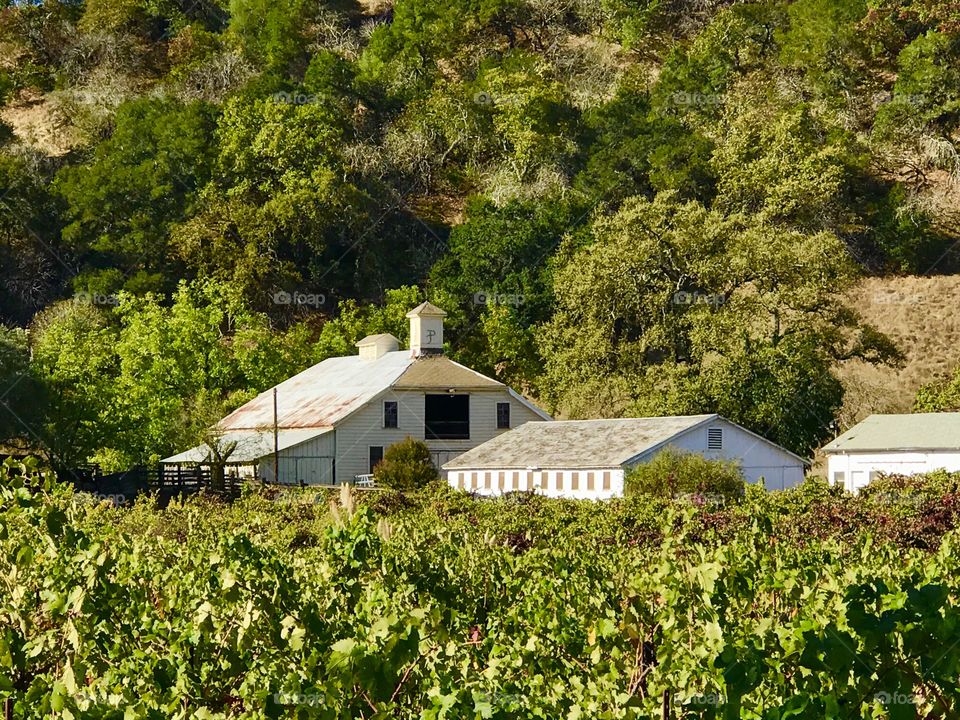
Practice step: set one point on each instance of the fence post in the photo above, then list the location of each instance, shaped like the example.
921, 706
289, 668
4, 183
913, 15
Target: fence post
666, 705
8, 709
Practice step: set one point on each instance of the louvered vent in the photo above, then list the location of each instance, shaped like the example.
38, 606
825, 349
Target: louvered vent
715, 439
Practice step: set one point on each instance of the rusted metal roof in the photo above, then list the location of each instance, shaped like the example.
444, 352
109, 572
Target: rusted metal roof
251, 445
322, 395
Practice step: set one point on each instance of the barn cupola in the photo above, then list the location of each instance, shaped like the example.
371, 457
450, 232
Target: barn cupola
426, 330
374, 347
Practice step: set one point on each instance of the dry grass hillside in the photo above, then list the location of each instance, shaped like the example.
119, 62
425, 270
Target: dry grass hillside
921, 315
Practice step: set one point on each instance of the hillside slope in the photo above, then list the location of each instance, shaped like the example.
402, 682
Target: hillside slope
920, 315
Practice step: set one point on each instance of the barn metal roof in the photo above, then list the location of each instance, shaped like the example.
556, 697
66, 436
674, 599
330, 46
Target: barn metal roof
325, 394
890, 433
321, 395
576, 443
251, 446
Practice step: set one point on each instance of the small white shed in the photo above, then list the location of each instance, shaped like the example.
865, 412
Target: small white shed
895, 445
587, 459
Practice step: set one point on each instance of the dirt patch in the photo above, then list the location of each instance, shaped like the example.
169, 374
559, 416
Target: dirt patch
920, 314
34, 123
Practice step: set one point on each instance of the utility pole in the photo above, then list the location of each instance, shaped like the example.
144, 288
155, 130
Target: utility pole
276, 441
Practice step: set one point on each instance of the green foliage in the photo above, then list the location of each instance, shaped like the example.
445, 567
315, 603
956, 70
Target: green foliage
927, 80
634, 151
629, 333
140, 181
781, 163
672, 473
145, 376
406, 465
17, 386
74, 359
822, 39
456, 607
943, 396
29, 237
457, 147
272, 33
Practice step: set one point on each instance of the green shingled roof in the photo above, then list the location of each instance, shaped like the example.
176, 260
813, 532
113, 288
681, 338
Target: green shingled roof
920, 431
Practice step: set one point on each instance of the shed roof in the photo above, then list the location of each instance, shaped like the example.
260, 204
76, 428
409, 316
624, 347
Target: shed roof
576, 443
380, 337
251, 445
890, 433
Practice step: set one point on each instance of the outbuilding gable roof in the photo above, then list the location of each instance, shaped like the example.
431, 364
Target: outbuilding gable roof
576, 443
892, 433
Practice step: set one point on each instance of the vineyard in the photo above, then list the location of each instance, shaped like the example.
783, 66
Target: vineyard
310, 604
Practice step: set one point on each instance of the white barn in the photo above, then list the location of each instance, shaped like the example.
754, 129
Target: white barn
894, 444
587, 459
332, 423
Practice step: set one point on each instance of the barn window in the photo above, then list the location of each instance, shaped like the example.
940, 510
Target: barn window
503, 416
715, 439
391, 414
447, 417
376, 455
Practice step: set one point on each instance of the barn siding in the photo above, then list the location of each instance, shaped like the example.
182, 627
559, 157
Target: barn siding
310, 462
856, 467
595, 484
758, 458
364, 428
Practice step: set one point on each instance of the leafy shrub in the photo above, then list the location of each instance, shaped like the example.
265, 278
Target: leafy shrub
672, 473
406, 465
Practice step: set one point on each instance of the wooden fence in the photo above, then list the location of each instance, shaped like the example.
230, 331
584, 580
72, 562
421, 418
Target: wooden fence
167, 481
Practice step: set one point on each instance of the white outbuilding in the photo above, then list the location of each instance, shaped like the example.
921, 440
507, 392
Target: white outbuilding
894, 444
587, 459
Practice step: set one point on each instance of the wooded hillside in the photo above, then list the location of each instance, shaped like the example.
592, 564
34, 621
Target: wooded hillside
625, 207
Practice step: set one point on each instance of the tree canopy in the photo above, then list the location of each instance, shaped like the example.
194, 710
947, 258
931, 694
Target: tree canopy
624, 207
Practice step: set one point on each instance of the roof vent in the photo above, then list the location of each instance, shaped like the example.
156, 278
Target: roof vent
374, 347
426, 330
